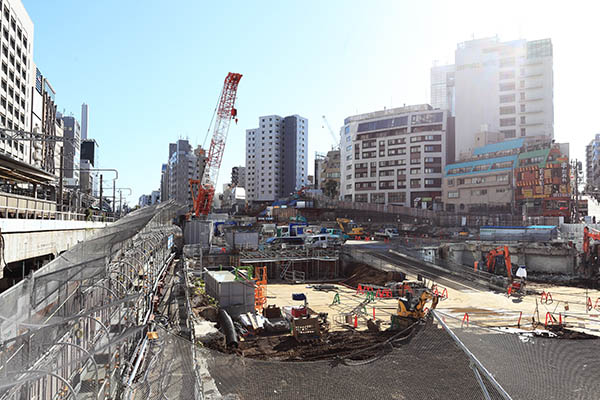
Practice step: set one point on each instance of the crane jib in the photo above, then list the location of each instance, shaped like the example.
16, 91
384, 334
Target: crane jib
203, 190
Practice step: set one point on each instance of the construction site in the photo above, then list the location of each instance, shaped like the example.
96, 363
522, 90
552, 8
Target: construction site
322, 300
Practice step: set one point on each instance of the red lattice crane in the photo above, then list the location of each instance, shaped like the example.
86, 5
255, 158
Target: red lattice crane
203, 190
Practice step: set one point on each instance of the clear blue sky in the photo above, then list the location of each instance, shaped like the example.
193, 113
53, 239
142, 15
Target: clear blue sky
152, 70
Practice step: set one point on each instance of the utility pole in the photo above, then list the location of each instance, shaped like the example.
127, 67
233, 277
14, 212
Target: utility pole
100, 194
60, 183
114, 200
120, 203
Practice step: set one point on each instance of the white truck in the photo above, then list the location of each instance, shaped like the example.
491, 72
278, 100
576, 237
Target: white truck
388, 233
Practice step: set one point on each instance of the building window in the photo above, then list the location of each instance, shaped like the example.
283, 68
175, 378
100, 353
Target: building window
507, 98
415, 183
415, 171
453, 194
522, 106
507, 110
507, 86
507, 121
523, 132
396, 197
509, 133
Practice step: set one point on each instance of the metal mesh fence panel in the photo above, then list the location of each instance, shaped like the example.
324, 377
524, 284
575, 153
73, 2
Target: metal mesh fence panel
424, 365
68, 329
530, 367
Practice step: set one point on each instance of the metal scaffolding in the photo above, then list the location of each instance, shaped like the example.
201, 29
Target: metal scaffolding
69, 329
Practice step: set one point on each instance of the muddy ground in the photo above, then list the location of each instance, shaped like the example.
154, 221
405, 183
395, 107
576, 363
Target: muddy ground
354, 345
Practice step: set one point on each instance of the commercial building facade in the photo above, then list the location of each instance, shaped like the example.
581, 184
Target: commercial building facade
276, 157
504, 87
592, 164
327, 171
542, 181
396, 156
483, 183
525, 176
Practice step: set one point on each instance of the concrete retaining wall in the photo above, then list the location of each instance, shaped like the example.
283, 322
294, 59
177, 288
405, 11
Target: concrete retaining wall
554, 258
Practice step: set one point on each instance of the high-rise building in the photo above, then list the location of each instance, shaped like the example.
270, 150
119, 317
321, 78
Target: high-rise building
164, 182
592, 164
442, 87
16, 59
276, 157
88, 178
504, 87
85, 114
396, 156
184, 164
71, 150
238, 176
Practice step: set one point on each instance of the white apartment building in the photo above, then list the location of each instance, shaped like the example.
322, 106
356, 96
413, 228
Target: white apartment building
396, 156
276, 157
504, 87
16, 77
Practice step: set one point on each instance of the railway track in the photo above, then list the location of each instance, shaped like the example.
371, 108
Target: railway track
450, 279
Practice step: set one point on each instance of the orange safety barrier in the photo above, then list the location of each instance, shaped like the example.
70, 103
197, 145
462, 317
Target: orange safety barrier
519, 321
444, 294
373, 313
356, 321
588, 304
548, 317
465, 318
260, 291
546, 298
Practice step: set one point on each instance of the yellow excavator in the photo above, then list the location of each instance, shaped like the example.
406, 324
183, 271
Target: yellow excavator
350, 228
412, 307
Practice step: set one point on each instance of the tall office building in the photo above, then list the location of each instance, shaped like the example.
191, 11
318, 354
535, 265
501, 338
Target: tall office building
442, 88
276, 157
71, 150
494, 86
396, 156
85, 114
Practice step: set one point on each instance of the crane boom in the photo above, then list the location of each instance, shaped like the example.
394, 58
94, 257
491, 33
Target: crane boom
203, 190
336, 139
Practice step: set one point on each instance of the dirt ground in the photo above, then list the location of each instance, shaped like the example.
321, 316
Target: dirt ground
355, 345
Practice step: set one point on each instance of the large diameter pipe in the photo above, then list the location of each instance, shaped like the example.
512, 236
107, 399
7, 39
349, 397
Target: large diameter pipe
227, 325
